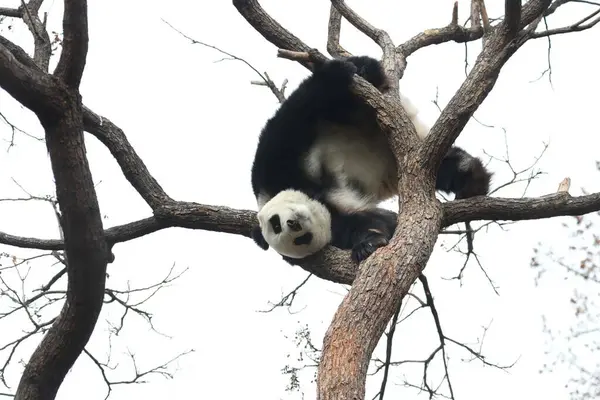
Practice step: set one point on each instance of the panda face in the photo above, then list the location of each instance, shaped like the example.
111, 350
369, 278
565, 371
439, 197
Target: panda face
295, 225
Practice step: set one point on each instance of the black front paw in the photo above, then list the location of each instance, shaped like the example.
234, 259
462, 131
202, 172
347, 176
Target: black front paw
363, 250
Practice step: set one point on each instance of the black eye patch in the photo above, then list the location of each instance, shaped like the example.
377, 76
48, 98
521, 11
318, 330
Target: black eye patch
304, 239
275, 223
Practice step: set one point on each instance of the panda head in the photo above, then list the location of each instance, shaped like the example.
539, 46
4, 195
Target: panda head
295, 225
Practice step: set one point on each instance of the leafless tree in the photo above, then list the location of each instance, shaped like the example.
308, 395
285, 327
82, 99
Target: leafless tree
381, 282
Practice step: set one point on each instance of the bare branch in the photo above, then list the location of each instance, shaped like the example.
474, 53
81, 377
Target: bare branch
75, 43
379, 36
269, 28
576, 27
333, 34
452, 32
388, 351
288, 299
494, 208
10, 12
265, 78
42, 46
131, 164
311, 56
438, 325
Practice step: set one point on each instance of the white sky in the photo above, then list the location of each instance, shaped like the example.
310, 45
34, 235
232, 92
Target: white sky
195, 123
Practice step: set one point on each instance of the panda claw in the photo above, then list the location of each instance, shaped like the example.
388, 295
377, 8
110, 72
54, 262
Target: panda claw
363, 250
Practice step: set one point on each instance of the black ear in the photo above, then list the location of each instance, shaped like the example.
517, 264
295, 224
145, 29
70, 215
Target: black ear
258, 238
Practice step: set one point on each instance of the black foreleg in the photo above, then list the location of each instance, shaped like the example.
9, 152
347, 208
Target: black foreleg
363, 232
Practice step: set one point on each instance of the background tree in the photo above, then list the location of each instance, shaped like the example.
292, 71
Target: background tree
573, 330
380, 284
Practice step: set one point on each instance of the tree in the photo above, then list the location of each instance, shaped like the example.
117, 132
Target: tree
381, 282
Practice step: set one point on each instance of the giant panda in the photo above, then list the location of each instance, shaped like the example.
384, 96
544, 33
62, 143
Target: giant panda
322, 165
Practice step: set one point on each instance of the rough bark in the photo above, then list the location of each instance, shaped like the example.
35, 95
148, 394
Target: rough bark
86, 253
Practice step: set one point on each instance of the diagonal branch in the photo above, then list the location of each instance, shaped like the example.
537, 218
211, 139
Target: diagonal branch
29, 86
270, 29
131, 164
42, 49
333, 34
379, 36
532, 10
468, 98
75, 43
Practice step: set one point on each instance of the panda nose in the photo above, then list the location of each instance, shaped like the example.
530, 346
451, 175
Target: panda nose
294, 225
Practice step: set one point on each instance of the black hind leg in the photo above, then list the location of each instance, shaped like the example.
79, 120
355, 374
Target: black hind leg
363, 232
462, 174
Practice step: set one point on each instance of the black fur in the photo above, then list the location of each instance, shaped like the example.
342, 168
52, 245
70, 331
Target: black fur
288, 135
363, 232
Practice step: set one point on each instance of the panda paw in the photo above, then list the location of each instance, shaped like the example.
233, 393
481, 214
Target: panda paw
336, 72
363, 250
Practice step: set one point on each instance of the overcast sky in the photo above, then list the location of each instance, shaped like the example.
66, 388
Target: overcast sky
195, 123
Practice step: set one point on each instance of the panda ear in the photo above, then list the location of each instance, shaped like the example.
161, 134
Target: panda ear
258, 238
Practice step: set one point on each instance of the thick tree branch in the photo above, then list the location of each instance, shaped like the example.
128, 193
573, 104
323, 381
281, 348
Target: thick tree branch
10, 12
494, 208
331, 264
29, 86
58, 106
75, 43
20, 54
86, 252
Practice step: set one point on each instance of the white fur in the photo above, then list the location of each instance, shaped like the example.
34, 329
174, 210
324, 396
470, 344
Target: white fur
413, 114
361, 154
312, 215
262, 199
